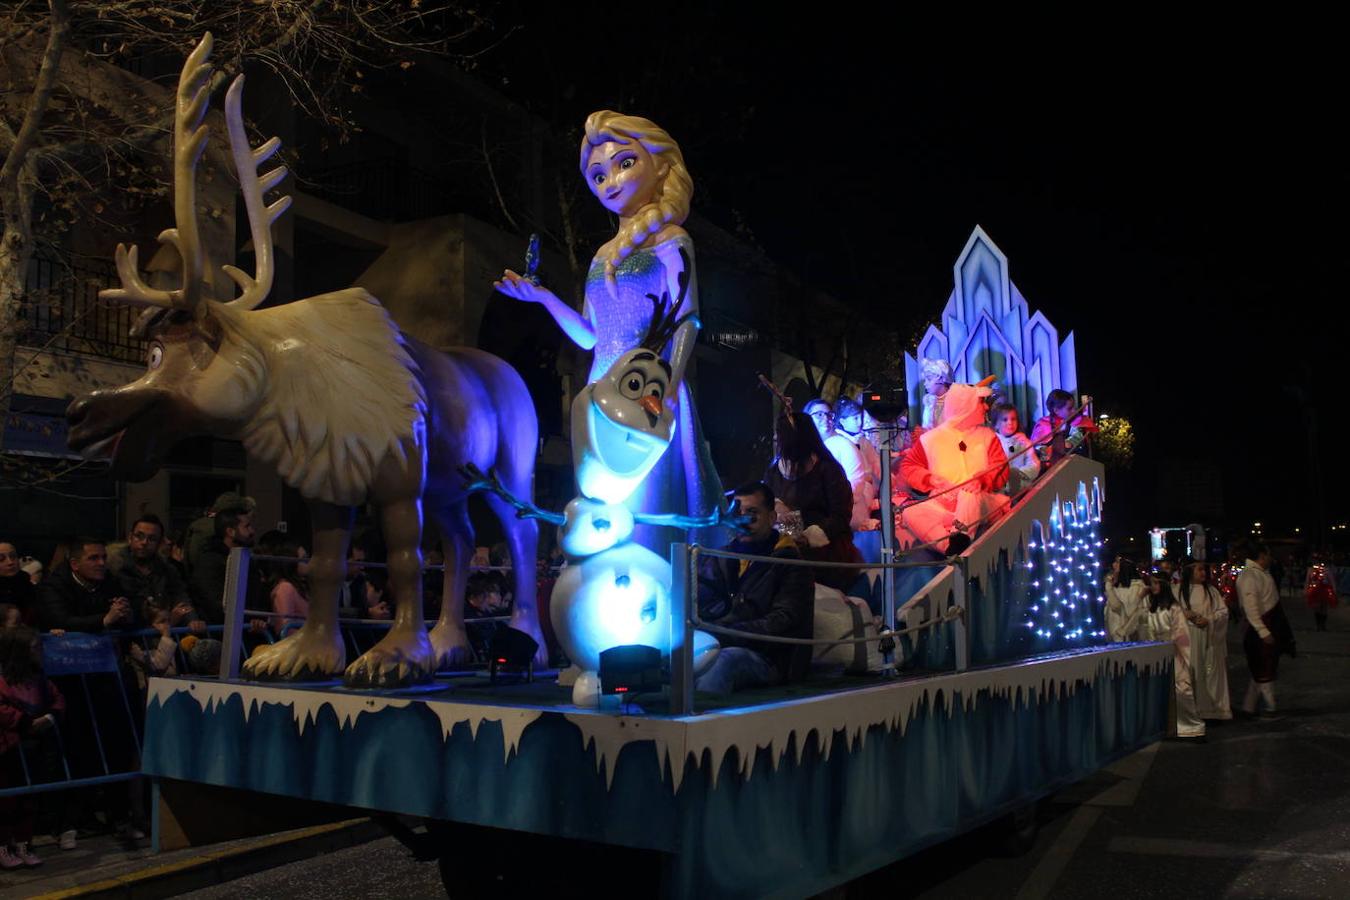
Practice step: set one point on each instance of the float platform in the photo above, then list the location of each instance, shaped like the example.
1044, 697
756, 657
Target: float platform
786, 794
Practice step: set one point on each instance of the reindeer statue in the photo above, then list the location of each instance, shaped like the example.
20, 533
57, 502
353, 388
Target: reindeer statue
330, 392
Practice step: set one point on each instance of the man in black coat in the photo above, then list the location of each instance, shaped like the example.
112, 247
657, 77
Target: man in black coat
81, 597
757, 598
149, 581
234, 528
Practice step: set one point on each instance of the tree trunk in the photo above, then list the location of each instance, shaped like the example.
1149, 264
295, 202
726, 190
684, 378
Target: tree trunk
18, 178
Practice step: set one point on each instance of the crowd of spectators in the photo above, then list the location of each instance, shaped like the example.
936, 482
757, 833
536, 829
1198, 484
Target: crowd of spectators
161, 601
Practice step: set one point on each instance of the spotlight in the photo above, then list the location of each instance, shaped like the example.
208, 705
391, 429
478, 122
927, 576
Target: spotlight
886, 402
511, 651
630, 669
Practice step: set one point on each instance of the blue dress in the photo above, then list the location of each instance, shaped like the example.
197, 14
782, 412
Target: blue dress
684, 481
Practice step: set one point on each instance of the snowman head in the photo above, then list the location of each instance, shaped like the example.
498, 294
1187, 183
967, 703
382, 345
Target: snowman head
621, 425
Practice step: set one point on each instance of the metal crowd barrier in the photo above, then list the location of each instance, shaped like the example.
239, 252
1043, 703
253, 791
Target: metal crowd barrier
237, 615
65, 658
684, 617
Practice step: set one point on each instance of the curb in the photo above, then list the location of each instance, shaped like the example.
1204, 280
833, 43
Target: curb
210, 869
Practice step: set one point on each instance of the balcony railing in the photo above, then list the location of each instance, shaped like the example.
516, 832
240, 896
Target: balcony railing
61, 311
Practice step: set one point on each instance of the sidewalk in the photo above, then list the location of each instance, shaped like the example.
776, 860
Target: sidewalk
103, 866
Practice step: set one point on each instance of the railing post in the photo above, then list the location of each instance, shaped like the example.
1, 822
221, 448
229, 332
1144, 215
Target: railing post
961, 598
888, 554
235, 601
681, 632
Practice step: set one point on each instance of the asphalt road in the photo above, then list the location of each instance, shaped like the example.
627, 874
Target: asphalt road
1260, 810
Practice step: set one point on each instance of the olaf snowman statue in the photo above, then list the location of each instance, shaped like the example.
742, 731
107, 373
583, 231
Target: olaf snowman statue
614, 591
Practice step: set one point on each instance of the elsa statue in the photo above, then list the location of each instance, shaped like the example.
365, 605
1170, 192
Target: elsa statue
636, 171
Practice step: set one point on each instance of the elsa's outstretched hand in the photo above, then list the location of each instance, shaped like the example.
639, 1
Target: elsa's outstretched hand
573, 324
519, 287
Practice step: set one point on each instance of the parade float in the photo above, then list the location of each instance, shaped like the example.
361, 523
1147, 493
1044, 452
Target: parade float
1003, 688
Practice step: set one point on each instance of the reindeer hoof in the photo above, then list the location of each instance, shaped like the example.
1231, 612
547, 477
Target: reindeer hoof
530, 625
451, 647
401, 659
299, 657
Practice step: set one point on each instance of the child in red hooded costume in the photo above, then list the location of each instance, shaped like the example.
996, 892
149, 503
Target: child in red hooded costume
954, 452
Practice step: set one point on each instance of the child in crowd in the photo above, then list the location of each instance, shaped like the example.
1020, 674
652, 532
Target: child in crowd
30, 707
161, 658
1017, 446
1063, 438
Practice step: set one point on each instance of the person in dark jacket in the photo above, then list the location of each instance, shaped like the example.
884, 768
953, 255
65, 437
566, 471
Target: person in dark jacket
148, 580
100, 737
234, 528
758, 598
814, 501
81, 597
17, 594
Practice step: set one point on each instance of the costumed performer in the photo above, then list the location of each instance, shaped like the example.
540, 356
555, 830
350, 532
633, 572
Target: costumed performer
960, 451
1268, 633
937, 379
1126, 601
1167, 622
1209, 624
1320, 591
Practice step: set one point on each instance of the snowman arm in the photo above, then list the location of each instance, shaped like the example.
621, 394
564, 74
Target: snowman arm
476, 480
674, 520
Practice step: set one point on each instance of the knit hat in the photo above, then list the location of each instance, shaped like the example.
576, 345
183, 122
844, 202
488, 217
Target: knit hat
204, 655
233, 500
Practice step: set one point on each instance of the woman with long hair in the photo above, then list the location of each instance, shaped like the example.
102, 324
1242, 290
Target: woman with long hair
1207, 617
287, 584
637, 172
814, 501
1167, 621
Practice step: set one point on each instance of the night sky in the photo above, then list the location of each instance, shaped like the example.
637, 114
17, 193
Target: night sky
1169, 192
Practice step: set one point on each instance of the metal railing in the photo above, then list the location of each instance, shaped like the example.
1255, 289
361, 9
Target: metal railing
72, 656
685, 619
237, 615
61, 311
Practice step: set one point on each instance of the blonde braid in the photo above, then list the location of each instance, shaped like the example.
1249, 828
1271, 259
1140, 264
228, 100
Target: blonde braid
671, 204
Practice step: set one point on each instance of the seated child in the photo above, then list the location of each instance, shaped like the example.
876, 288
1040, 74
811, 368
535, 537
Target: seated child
1025, 465
1063, 439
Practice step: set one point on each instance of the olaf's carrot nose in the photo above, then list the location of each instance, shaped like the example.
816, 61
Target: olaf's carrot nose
652, 405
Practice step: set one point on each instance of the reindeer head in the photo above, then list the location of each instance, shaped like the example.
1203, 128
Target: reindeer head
202, 376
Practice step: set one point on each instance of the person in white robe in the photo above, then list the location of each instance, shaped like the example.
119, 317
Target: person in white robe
1126, 602
846, 451
1167, 622
1208, 615
865, 480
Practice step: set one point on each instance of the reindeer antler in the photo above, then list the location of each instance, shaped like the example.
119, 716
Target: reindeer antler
253, 187
189, 139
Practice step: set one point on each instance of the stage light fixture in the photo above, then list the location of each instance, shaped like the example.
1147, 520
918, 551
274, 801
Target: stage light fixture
630, 669
511, 651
